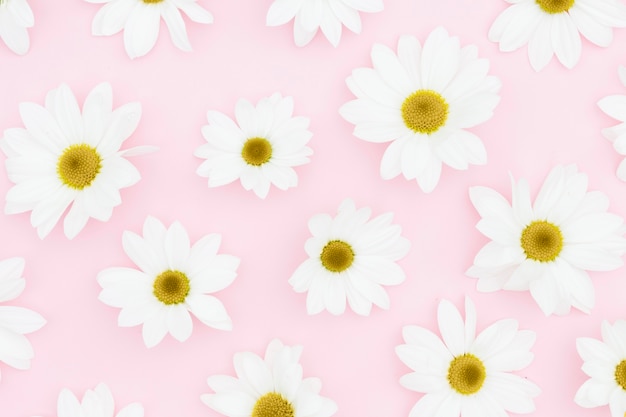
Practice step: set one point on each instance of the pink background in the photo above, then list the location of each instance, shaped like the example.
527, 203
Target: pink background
543, 119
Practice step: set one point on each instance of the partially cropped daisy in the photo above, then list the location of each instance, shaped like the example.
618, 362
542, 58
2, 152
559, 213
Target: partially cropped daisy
268, 387
350, 258
68, 158
422, 100
141, 21
615, 106
15, 349
95, 403
15, 17
549, 246
552, 27
605, 364
327, 15
466, 374
174, 279
259, 149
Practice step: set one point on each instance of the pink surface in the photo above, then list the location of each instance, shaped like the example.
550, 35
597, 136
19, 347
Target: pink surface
543, 119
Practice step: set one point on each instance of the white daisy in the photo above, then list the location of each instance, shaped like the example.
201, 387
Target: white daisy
605, 364
15, 17
554, 27
141, 20
96, 403
328, 15
422, 100
548, 246
174, 279
268, 387
615, 106
465, 374
66, 158
259, 150
15, 349
350, 258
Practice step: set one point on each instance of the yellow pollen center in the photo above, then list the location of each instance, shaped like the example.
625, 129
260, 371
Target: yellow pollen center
424, 111
171, 287
152, 1
273, 404
466, 374
620, 374
555, 6
78, 166
256, 151
337, 256
542, 241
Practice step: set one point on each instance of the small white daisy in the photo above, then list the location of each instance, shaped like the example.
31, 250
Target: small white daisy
174, 279
96, 403
350, 257
268, 387
554, 27
548, 246
259, 150
328, 15
615, 106
15, 17
465, 374
141, 20
15, 349
605, 364
65, 157
422, 100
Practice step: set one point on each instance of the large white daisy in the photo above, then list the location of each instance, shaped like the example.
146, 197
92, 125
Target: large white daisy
350, 257
464, 374
328, 15
548, 246
605, 364
141, 20
174, 279
260, 149
67, 158
554, 27
268, 387
15, 322
15, 17
615, 106
95, 403
422, 100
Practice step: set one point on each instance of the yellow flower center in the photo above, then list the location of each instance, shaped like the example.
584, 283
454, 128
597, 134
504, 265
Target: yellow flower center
152, 1
79, 165
256, 151
337, 256
273, 404
466, 374
171, 287
542, 241
620, 374
555, 6
425, 111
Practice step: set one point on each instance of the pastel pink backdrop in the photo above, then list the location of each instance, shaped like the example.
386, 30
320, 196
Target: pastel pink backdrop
543, 119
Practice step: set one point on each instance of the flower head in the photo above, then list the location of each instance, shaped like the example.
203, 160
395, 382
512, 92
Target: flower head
95, 403
615, 106
15, 17
422, 100
174, 279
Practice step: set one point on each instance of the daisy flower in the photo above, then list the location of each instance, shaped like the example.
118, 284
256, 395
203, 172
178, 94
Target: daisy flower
350, 257
554, 27
422, 100
328, 15
15, 349
268, 387
141, 20
96, 403
548, 246
605, 364
174, 279
15, 17
67, 159
615, 106
260, 149
465, 374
